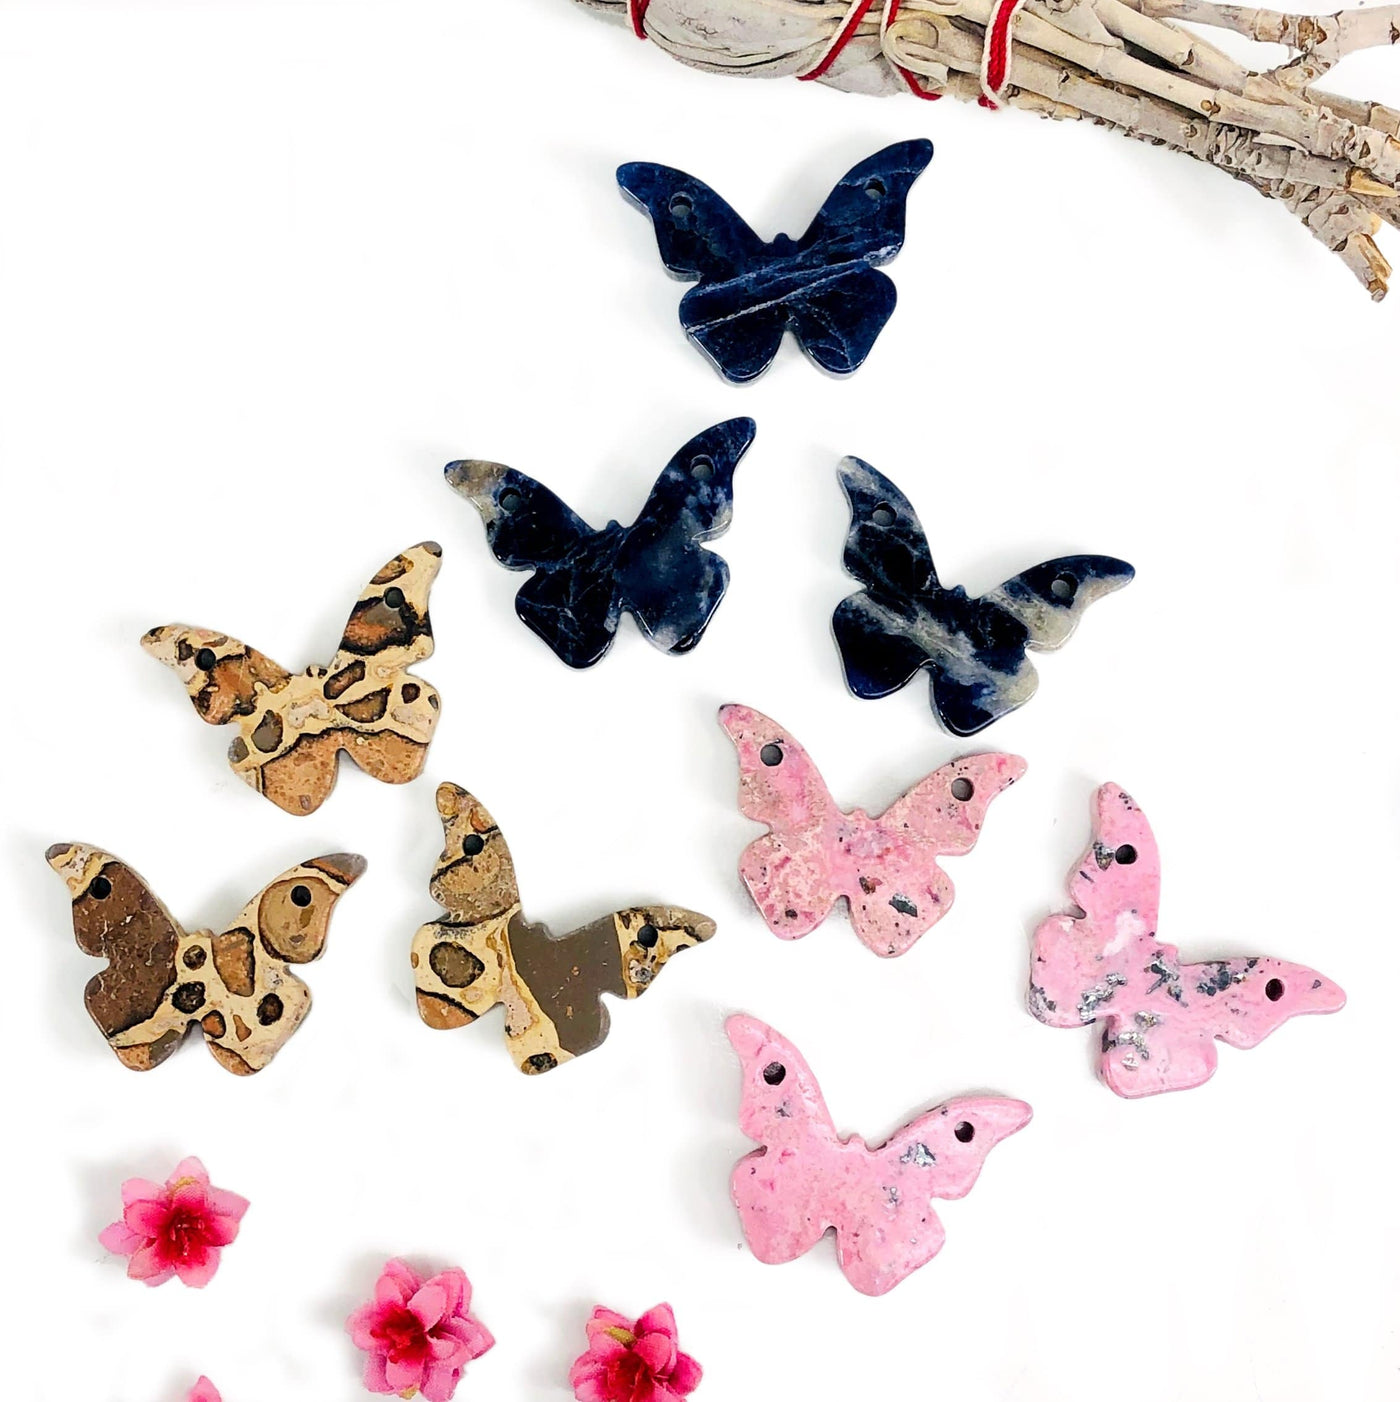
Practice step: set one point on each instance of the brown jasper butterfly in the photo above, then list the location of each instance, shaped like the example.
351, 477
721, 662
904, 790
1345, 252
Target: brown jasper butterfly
291, 729
485, 952
159, 980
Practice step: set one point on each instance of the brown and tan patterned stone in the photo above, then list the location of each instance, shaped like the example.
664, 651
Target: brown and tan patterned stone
485, 952
292, 728
159, 980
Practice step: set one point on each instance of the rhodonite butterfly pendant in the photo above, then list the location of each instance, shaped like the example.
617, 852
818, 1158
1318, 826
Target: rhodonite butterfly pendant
484, 951
292, 727
886, 867
1159, 1018
825, 287
657, 569
806, 1180
974, 648
160, 980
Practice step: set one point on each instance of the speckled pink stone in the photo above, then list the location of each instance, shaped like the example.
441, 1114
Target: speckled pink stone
807, 1180
1161, 1018
814, 854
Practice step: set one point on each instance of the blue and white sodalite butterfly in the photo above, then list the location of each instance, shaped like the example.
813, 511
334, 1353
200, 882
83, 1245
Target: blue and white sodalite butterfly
657, 569
974, 648
824, 286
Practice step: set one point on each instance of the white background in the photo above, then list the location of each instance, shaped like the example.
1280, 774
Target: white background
264, 268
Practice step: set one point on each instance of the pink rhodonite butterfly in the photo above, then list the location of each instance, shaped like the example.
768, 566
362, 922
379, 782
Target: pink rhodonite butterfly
885, 867
1161, 1018
806, 1180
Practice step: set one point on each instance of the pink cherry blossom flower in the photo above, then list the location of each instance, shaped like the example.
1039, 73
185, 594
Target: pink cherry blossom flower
633, 1362
204, 1391
417, 1333
178, 1229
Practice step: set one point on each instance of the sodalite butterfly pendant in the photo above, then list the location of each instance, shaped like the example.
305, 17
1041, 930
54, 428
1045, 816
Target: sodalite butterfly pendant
885, 867
974, 648
825, 286
1160, 1018
656, 569
806, 1180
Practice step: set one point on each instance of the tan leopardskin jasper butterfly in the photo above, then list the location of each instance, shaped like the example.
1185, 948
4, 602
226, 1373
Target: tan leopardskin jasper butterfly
292, 728
484, 951
160, 981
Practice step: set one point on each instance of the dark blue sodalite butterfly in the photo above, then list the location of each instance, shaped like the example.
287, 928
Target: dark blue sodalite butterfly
656, 569
975, 648
824, 286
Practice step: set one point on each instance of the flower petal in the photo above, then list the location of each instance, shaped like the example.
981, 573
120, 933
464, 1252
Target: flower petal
228, 1204
220, 1230
403, 1375
147, 1218
397, 1283
660, 1319
685, 1376
360, 1325
457, 1287
428, 1305
189, 1168
204, 1391
440, 1382
657, 1351
198, 1272
141, 1190
375, 1381
149, 1263
119, 1238
602, 1319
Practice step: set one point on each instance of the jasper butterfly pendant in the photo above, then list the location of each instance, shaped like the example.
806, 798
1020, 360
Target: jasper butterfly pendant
292, 727
161, 980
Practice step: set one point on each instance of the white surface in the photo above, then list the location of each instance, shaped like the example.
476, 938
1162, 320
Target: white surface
264, 268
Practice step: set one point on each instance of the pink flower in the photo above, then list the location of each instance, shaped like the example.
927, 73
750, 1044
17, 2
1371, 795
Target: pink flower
177, 1229
204, 1391
418, 1333
633, 1362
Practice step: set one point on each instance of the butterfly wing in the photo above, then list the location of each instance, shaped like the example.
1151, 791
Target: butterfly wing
117, 917
365, 702
223, 677
864, 216
877, 628
664, 576
459, 962
888, 1227
701, 237
1049, 600
697, 232
1081, 963
1108, 964
899, 891
786, 1191
571, 600
790, 872
1247, 999
247, 1002
839, 313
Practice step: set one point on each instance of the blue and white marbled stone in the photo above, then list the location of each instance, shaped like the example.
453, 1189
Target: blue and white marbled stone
974, 648
825, 286
656, 569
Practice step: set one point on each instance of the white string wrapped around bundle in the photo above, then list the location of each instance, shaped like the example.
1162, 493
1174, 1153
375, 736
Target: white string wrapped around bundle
1128, 64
